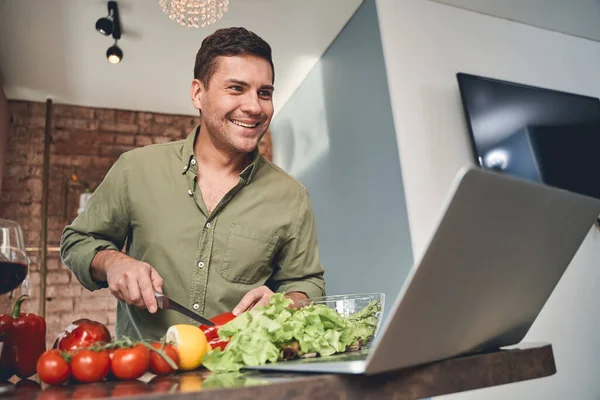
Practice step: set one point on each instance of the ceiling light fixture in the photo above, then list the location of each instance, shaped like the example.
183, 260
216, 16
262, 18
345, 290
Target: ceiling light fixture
104, 26
114, 54
111, 25
195, 13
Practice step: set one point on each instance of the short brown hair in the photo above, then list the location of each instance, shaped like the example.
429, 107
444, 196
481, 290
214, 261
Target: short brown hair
229, 42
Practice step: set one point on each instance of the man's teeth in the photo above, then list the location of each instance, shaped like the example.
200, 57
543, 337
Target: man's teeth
244, 125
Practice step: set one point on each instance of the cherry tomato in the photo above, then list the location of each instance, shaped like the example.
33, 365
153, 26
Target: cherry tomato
111, 352
82, 333
90, 366
52, 368
158, 365
130, 363
220, 343
212, 332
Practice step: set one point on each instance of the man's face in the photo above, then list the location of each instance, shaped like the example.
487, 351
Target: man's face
237, 105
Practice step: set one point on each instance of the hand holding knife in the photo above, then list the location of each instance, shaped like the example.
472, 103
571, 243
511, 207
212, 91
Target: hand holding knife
166, 303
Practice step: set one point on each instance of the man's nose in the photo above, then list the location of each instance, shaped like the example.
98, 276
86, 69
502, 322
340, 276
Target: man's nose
251, 105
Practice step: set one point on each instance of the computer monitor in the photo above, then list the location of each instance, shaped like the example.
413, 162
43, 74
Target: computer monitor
538, 134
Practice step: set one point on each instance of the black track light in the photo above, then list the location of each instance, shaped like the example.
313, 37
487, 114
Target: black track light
114, 54
104, 26
111, 26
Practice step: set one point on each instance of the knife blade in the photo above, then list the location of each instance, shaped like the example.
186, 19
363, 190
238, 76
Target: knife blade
166, 303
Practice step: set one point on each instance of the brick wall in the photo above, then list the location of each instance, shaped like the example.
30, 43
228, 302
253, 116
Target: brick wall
86, 142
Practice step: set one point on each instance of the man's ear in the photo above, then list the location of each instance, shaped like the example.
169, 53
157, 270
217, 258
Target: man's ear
196, 91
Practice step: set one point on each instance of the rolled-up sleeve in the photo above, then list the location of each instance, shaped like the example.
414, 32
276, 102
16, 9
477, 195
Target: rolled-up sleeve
298, 267
104, 224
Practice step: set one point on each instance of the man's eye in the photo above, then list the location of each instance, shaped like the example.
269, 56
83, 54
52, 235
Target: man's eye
265, 93
236, 88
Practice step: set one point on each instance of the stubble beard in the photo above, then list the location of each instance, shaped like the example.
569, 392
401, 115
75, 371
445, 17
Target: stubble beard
221, 140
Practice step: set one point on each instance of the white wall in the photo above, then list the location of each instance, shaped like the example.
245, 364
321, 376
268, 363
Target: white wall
425, 44
336, 135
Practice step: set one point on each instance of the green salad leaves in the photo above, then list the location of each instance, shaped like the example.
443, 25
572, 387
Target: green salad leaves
276, 332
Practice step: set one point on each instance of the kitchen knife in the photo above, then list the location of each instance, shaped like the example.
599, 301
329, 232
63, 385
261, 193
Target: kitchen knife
166, 303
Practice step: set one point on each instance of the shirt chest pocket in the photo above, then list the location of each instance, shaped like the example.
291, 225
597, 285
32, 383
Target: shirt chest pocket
248, 255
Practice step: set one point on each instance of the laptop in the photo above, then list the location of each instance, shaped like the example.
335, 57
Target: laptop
498, 250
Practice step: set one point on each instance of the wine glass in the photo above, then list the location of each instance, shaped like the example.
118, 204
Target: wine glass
14, 265
13, 257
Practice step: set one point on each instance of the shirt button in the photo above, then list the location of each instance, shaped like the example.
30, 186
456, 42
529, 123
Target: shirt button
201, 264
184, 167
208, 224
196, 306
190, 192
193, 161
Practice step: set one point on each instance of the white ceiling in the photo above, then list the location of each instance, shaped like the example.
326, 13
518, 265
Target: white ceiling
574, 17
50, 48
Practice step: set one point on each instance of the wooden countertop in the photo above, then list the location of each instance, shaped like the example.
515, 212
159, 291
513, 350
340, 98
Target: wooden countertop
518, 363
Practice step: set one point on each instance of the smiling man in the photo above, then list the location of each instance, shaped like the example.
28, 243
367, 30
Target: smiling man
206, 220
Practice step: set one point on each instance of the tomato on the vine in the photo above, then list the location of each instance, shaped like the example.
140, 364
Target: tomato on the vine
89, 365
52, 368
158, 365
111, 352
130, 362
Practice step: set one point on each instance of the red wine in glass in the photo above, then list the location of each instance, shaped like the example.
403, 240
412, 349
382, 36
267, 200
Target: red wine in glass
11, 275
13, 257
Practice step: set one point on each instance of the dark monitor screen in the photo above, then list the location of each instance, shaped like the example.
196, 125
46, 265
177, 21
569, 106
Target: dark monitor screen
539, 134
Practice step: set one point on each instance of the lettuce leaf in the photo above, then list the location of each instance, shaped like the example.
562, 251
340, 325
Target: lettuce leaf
259, 335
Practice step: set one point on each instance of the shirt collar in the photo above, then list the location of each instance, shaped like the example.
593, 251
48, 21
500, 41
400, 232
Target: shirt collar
248, 173
188, 155
188, 149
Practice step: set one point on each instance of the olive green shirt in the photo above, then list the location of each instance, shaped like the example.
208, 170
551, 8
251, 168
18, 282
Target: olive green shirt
261, 233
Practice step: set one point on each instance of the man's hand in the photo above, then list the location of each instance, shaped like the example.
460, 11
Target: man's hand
260, 297
129, 280
256, 297
296, 297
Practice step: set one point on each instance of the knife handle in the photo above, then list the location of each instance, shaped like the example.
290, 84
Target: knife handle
160, 299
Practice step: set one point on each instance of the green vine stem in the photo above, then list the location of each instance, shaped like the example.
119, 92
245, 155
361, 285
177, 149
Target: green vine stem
125, 343
164, 355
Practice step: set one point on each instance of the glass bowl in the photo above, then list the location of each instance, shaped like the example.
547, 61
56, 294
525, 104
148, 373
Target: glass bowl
348, 304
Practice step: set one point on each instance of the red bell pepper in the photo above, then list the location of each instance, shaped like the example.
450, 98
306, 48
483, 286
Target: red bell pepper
220, 343
212, 332
24, 337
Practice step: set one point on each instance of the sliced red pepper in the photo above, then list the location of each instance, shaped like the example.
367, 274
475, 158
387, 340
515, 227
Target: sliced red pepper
212, 332
220, 343
24, 337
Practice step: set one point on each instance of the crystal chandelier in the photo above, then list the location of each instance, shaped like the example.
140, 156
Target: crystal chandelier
195, 13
